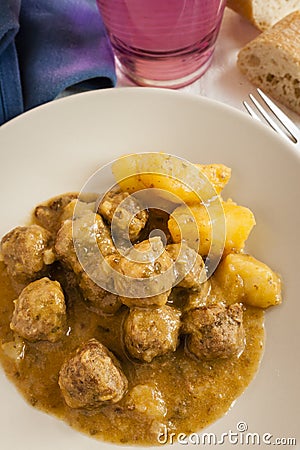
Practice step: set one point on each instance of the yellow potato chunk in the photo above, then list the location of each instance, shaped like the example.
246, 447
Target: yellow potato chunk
147, 400
238, 220
218, 174
141, 171
244, 278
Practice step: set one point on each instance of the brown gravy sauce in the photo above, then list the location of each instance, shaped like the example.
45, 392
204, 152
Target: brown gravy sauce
196, 393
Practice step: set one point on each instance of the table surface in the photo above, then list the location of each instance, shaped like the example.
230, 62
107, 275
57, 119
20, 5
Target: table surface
223, 81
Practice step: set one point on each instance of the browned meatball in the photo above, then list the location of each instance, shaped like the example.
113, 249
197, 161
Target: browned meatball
94, 294
130, 216
26, 251
49, 213
145, 275
151, 332
97, 297
189, 266
91, 378
88, 228
64, 247
195, 299
90, 234
215, 331
40, 312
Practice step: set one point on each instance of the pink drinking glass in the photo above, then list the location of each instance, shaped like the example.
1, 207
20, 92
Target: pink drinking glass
165, 43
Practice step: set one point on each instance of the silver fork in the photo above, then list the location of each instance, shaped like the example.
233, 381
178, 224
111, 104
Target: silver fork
274, 116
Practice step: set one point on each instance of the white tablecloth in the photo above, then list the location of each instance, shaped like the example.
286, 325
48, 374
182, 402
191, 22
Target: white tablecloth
223, 80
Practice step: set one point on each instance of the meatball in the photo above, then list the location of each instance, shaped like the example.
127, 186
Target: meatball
197, 298
49, 213
130, 215
151, 332
90, 234
189, 266
215, 332
145, 270
26, 252
40, 312
97, 297
88, 228
64, 247
91, 378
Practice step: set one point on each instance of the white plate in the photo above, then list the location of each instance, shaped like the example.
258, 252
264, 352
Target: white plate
55, 148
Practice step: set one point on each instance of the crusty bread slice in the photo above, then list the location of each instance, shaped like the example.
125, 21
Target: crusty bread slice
264, 13
272, 61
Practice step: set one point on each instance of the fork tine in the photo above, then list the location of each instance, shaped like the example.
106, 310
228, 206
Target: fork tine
267, 117
251, 111
281, 116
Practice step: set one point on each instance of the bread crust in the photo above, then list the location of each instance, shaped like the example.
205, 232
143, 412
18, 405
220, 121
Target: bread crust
263, 14
242, 7
272, 61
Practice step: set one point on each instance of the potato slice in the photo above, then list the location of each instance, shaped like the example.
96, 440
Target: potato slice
239, 222
141, 171
244, 278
